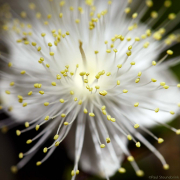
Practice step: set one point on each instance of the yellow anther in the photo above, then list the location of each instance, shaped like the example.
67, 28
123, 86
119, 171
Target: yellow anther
23, 72
165, 166
113, 120
169, 52
82, 73
38, 163
61, 100
154, 14
178, 131
104, 112
128, 38
143, 36
29, 141
38, 15
24, 104
129, 137
49, 16
53, 83
119, 65
14, 169
7, 92
80, 102
106, 42
91, 114
121, 38
102, 145
148, 32
51, 53
41, 92
18, 132
108, 50
103, 93
108, 117
85, 111
160, 140
56, 137
121, 170
21, 155
75, 99
171, 16
156, 110
172, 112
138, 144
108, 73
137, 80
115, 50
66, 123
125, 91
129, 48
127, 10
154, 63
23, 14
26, 42
77, 172
132, 63
85, 81
149, 3
46, 118
136, 104
71, 92
46, 104
43, 34
108, 140
10, 64
50, 44
45, 150
39, 48
137, 39
165, 86
37, 127
130, 158
134, 15
128, 53
19, 41
136, 126
167, 3
26, 124
118, 82
103, 107
153, 80
58, 76
63, 115
72, 173
162, 83
33, 44
47, 65
140, 173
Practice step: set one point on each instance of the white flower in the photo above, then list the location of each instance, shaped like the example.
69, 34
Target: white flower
92, 72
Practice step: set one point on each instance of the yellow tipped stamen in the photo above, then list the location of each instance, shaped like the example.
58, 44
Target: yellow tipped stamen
122, 170
29, 141
18, 132
21, 155
45, 150
138, 144
26, 124
102, 145
136, 126
38, 163
130, 158
160, 140
165, 166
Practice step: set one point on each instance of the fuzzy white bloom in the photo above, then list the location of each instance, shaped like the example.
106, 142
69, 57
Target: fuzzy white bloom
88, 70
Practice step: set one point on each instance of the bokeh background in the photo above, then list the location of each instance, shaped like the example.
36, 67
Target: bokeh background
59, 166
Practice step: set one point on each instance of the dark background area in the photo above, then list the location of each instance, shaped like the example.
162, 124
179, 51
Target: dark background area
59, 166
